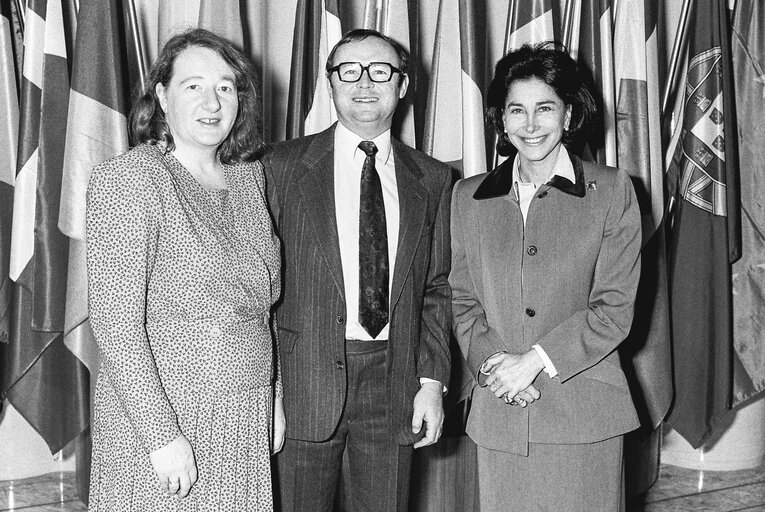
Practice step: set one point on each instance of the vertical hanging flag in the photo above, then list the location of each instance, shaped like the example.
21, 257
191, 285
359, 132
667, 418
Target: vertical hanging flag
393, 20
640, 154
317, 29
43, 380
748, 52
596, 57
222, 17
529, 21
705, 236
454, 128
9, 135
96, 131
646, 355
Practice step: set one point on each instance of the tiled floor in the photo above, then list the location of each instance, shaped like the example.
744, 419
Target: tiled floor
678, 490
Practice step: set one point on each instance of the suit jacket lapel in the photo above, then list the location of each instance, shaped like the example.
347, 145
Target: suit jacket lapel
412, 198
318, 191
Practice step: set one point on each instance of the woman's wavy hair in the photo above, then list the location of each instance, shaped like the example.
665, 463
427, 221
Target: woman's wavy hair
147, 119
550, 63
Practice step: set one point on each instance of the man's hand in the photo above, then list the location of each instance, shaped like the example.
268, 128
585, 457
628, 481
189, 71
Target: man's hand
279, 426
175, 466
428, 407
513, 374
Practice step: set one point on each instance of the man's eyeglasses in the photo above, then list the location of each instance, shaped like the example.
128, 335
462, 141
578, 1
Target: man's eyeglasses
377, 71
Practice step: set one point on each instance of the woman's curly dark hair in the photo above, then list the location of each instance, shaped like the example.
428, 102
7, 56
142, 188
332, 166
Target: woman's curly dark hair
147, 119
550, 63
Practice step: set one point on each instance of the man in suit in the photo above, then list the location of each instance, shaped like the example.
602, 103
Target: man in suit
364, 321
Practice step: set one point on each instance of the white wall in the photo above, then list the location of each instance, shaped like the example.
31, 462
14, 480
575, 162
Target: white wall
23, 453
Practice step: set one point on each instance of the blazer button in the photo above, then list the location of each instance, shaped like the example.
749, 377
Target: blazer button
542, 195
530, 312
215, 332
339, 319
532, 250
339, 365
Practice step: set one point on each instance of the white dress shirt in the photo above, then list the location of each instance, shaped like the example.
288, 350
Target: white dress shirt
349, 159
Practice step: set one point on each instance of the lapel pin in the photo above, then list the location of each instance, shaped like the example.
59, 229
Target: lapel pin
592, 185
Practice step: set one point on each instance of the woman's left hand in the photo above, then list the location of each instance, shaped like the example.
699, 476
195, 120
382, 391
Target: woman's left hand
512, 373
280, 426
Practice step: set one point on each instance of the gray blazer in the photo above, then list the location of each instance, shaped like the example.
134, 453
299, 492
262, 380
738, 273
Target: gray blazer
311, 313
566, 282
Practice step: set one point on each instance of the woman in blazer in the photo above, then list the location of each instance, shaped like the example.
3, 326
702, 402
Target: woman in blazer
545, 265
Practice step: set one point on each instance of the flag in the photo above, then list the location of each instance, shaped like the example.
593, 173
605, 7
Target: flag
646, 356
639, 148
96, 131
529, 21
317, 30
392, 18
454, 127
222, 17
748, 52
43, 380
173, 17
9, 132
595, 57
704, 236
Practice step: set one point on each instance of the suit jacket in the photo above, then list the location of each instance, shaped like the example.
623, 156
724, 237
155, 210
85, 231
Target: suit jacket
567, 281
311, 314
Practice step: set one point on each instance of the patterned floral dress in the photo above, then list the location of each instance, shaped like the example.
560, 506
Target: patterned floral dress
181, 282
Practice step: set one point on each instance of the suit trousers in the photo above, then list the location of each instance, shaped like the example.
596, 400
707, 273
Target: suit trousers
378, 468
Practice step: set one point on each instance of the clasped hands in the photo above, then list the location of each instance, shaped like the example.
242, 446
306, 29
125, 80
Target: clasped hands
510, 376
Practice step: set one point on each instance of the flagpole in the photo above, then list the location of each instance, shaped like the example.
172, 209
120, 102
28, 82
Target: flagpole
681, 41
568, 22
20, 10
137, 44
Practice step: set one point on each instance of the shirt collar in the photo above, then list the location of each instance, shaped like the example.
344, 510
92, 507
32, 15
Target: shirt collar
563, 168
347, 142
499, 182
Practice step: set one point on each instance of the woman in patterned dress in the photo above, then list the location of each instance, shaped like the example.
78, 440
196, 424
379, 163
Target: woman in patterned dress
183, 268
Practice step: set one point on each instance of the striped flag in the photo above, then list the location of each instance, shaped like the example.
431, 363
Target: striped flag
646, 355
529, 21
595, 55
9, 134
317, 30
640, 154
392, 18
454, 127
748, 52
223, 17
96, 131
43, 380
705, 237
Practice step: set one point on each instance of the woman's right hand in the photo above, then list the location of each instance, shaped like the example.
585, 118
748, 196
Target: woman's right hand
175, 466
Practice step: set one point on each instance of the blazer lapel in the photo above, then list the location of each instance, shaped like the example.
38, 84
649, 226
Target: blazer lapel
318, 191
413, 210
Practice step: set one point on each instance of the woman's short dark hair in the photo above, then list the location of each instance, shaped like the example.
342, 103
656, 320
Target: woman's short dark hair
147, 119
550, 63
360, 34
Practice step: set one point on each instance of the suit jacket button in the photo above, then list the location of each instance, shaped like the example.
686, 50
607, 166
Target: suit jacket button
532, 250
215, 332
339, 319
339, 365
530, 312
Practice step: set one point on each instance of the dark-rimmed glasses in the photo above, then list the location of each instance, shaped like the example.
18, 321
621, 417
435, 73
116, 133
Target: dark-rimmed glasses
377, 71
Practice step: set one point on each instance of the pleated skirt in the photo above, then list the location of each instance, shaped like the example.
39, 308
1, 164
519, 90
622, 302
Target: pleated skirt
229, 432
570, 477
